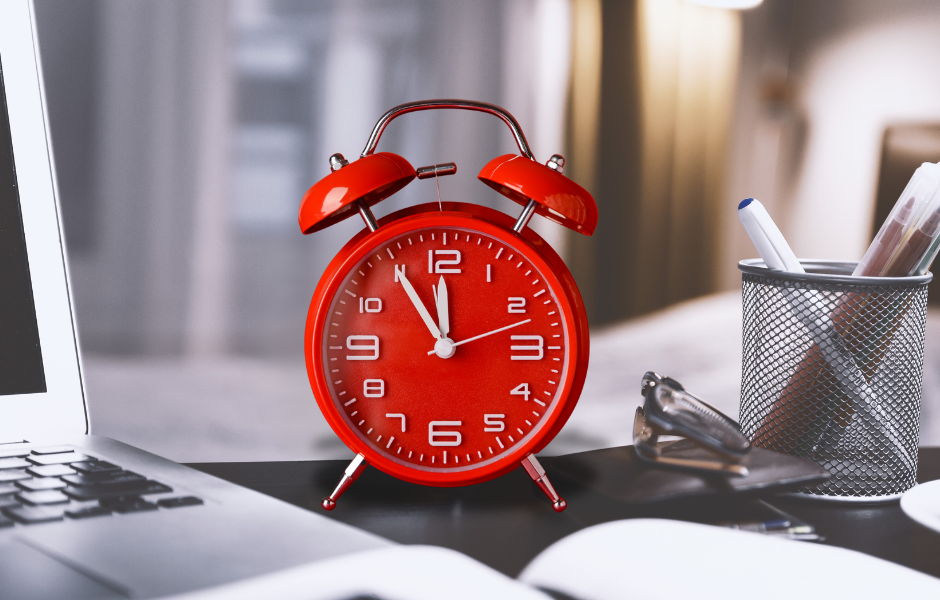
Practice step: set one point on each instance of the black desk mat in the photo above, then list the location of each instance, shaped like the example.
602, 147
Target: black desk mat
621, 475
506, 522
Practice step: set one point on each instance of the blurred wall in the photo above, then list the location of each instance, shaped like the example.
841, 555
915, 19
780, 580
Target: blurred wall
186, 132
820, 82
695, 109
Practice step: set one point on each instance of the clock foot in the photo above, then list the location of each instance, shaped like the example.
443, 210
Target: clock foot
538, 475
352, 473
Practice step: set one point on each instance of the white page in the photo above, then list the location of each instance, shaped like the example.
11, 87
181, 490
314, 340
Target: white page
397, 573
642, 559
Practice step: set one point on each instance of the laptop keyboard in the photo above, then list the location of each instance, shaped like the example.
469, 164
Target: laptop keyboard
59, 483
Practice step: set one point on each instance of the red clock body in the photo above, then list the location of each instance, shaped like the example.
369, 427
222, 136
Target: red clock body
445, 347
446, 344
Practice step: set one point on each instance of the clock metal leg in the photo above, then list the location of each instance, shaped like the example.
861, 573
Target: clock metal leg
538, 475
352, 473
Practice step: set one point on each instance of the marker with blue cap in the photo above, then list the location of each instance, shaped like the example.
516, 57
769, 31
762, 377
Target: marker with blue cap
766, 237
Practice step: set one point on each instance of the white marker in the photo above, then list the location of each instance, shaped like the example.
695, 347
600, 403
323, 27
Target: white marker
766, 237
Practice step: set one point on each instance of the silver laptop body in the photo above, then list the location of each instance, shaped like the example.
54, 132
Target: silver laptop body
83, 516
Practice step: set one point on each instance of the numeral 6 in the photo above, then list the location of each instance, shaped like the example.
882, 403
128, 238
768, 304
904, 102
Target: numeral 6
443, 438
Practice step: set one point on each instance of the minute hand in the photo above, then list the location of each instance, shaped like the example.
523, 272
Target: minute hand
425, 315
483, 335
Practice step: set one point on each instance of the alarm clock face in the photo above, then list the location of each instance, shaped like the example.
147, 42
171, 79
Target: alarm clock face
444, 348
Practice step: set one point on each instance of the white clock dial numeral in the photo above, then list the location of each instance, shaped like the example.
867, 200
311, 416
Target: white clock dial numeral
373, 388
538, 348
399, 272
353, 343
397, 416
495, 422
370, 305
440, 265
517, 305
444, 438
521, 390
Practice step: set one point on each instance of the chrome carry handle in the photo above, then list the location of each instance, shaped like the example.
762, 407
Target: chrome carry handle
484, 107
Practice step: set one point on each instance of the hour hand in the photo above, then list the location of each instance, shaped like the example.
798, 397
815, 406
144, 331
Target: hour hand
425, 315
443, 316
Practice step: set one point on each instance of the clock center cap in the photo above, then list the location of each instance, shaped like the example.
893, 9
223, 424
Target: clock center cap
445, 347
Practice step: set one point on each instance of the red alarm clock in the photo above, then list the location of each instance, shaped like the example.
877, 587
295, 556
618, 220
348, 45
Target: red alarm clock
446, 343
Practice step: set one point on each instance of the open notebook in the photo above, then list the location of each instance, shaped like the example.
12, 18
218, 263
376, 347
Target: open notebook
631, 559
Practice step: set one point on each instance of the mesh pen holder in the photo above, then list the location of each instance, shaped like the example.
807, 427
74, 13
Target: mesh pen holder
832, 371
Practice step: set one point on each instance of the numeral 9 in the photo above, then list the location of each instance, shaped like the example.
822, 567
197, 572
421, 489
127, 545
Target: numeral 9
371, 345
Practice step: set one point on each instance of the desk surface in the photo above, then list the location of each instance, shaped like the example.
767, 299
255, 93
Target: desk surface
506, 522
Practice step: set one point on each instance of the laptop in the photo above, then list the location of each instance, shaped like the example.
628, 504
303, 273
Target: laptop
83, 516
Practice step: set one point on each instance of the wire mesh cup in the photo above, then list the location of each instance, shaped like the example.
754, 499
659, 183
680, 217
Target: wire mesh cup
832, 371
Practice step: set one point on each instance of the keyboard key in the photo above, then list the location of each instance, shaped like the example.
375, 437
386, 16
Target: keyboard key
41, 483
14, 475
108, 477
116, 500
5, 521
178, 502
35, 514
115, 490
88, 512
56, 459
53, 450
8, 488
9, 453
130, 507
51, 470
9, 502
13, 463
94, 466
43, 497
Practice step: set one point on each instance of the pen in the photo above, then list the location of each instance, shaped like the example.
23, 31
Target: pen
885, 242
766, 237
910, 255
924, 265
919, 198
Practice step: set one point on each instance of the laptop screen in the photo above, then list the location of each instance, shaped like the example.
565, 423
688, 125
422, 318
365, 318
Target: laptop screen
21, 370
41, 392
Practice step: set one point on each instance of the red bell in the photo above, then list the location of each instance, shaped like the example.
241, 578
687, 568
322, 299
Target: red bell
370, 179
557, 198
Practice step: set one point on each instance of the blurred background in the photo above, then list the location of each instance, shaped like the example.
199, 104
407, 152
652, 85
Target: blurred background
186, 132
